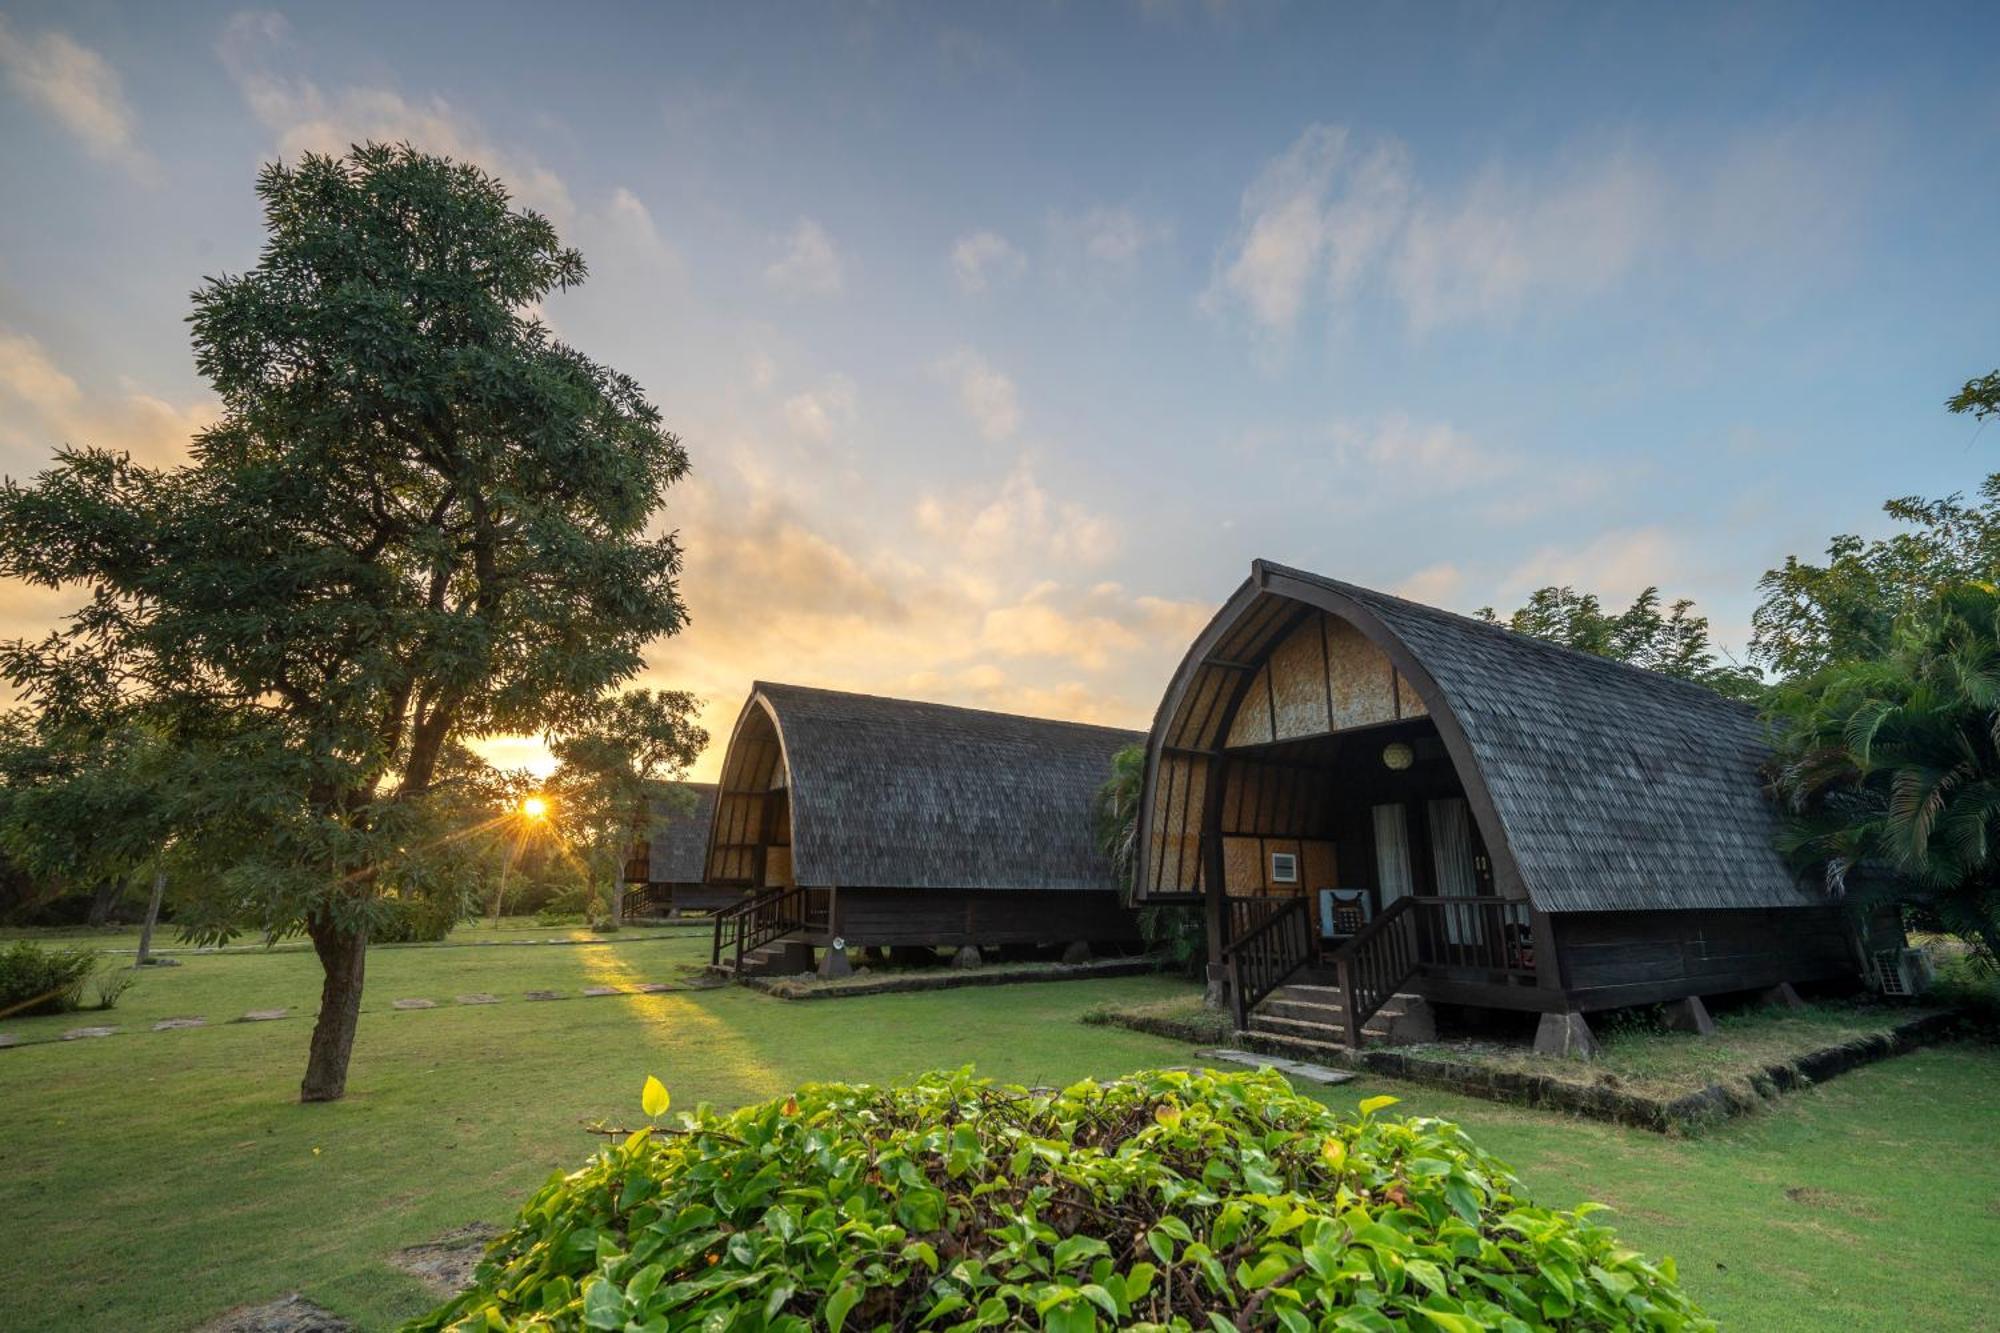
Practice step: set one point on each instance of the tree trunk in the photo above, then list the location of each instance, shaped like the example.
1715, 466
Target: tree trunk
152, 916
342, 954
618, 901
103, 900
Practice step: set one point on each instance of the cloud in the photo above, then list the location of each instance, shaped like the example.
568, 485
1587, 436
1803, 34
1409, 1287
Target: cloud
982, 259
986, 395
817, 414
1434, 585
77, 87
43, 407
1435, 452
254, 47
1328, 224
1018, 523
1617, 565
810, 265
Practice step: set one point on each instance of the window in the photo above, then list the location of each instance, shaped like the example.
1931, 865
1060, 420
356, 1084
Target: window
1284, 868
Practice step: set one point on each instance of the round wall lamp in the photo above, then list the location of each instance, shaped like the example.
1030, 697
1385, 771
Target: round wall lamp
1397, 756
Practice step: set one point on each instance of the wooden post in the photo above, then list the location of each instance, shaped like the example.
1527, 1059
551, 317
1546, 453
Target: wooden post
1348, 1021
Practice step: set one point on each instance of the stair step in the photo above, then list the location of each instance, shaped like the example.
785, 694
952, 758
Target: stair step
1293, 1027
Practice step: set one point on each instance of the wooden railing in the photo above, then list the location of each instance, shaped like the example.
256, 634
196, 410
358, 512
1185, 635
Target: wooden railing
1263, 957
1246, 913
1435, 936
770, 915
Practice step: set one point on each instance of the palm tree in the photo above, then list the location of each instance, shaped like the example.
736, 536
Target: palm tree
1890, 768
1178, 932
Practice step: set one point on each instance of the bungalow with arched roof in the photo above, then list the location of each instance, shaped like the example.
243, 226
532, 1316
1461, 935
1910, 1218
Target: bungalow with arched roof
1374, 799
890, 823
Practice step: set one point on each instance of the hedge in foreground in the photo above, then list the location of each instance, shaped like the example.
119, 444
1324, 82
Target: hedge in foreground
1163, 1200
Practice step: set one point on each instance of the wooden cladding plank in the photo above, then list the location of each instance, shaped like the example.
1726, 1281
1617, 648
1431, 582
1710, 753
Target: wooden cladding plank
1179, 789
1242, 865
1320, 868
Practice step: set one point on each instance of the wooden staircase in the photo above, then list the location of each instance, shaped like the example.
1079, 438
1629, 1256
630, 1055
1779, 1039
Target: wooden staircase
751, 937
1306, 1020
760, 961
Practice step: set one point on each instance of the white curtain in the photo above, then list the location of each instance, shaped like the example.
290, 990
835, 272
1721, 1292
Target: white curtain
1451, 856
1392, 853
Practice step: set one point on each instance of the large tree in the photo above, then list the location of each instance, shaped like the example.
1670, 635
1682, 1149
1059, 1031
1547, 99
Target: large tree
1670, 639
610, 768
1889, 767
420, 517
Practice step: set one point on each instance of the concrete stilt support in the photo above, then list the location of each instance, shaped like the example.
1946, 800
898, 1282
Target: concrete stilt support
833, 963
1690, 1015
1215, 994
969, 956
1077, 952
1783, 996
1565, 1034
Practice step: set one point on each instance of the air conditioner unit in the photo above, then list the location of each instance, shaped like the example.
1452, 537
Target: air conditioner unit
1902, 971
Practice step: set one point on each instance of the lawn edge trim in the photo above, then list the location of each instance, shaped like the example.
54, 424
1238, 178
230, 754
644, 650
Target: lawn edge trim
1687, 1113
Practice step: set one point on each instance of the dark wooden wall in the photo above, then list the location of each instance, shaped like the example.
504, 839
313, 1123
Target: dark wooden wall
955, 917
1611, 959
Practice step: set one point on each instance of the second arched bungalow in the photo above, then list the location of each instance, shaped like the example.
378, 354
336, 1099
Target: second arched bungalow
891, 823
1386, 798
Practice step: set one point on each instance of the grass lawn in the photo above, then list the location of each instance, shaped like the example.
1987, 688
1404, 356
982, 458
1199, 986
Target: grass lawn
155, 1179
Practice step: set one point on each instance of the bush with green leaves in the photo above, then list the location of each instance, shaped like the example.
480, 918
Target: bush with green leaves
34, 980
1162, 1200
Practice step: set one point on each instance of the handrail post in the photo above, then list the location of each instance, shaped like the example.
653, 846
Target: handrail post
1348, 1003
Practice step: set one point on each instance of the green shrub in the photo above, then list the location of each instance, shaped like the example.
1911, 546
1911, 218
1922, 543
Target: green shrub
414, 921
43, 981
1162, 1200
551, 916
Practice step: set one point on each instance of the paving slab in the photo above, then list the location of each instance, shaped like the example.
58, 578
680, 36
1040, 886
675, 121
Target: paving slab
1297, 1068
544, 995
78, 1034
169, 1024
650, 988
8, 1039
414, 1004
264, 1015
446, 1264
293, 1314
481, 998
603, 990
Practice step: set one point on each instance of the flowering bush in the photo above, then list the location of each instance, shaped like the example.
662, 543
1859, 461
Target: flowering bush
1162, 1200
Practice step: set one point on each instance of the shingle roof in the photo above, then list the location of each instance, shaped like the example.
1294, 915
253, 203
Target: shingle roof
678, 835
1619, 789
894, 793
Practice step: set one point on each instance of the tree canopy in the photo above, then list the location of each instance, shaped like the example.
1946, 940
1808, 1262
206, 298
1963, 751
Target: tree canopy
1672, 640
419, 518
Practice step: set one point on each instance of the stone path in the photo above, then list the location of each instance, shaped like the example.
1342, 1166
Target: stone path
1296, 1068
11, 1039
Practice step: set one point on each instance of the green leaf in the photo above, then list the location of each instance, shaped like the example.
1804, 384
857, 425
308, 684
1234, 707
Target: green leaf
843, 1299
1374, 1104
603, 1304
653, 1098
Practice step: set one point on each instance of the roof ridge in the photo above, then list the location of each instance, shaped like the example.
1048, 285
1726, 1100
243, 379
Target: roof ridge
758, 686
1496, 627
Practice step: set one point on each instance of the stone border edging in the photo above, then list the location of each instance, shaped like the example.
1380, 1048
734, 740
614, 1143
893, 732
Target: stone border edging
789, 988
1694, 1110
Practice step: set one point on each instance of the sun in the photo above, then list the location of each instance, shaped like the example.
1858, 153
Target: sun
534, 807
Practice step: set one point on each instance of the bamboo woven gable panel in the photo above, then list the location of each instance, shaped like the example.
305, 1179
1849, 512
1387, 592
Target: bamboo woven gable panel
890, 793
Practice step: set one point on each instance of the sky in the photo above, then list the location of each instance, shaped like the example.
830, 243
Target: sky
1003, 337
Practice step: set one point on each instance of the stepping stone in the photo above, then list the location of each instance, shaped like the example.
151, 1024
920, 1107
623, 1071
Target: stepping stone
603, 990
481, 998
544, 995
264, 1015
1296, 1068
169, 1024
293, 1314
76, 1033
414, 1004
651, 988
8, 1039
